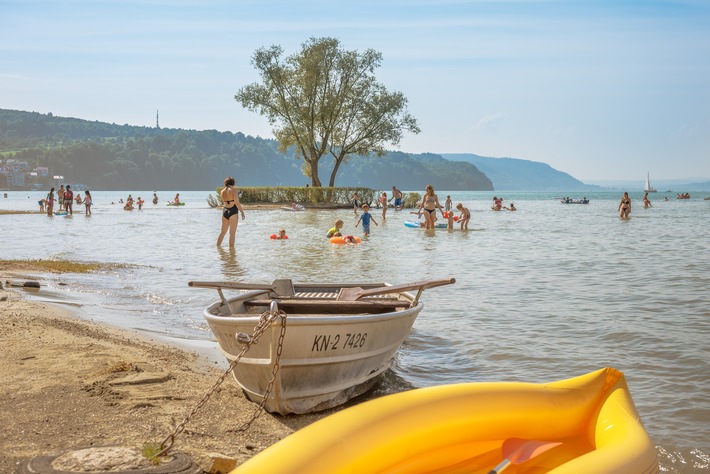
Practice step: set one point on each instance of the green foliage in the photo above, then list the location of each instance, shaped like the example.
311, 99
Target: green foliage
326, 99
119, 157
150, 450
411, 199
301, 195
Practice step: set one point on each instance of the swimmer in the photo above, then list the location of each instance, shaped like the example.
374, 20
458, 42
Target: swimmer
335, 231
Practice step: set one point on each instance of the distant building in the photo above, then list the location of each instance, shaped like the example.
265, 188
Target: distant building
15, 179
42, 171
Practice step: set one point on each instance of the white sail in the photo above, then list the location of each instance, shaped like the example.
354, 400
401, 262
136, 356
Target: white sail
648, 187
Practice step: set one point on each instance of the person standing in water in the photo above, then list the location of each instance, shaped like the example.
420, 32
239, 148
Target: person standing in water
624, 206
69, 200
50, 202
230, 215
87, 202
430, 203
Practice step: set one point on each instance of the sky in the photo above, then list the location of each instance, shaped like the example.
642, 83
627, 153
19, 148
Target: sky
599, 89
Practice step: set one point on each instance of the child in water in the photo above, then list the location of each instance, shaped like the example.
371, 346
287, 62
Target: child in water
365, 218
280, 236
464, 217
449, 219
335, 231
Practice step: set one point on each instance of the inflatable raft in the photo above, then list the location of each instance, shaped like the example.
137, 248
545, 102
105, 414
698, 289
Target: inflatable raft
417, 225
587, 424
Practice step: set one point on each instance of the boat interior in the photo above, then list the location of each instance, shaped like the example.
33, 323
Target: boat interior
321, 298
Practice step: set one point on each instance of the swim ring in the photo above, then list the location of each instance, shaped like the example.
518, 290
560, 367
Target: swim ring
276, 237
341, 240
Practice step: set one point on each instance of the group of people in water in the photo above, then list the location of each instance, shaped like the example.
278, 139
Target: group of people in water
232, 209
65, 199
624, 208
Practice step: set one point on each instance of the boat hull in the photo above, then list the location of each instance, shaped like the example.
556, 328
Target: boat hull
462, 429
326, 359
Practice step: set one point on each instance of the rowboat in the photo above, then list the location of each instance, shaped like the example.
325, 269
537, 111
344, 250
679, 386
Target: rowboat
338, 338
587, 424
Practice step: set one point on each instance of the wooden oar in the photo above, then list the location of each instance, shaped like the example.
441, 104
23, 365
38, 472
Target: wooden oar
517, 451
355, 293
282, 287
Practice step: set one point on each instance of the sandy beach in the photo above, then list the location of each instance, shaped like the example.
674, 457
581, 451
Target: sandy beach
70, 383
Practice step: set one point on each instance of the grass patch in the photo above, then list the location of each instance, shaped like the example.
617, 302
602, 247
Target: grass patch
58, 266
149, 450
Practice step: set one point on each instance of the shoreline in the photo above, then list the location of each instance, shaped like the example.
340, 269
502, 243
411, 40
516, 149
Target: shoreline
74, 383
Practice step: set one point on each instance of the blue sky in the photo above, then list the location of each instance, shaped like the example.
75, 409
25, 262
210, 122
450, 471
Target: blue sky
599, 89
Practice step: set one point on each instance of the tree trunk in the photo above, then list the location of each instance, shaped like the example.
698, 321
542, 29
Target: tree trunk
338, 161
315, 180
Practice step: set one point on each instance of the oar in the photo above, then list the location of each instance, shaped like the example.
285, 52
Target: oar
355, 293
517, 451
282, 287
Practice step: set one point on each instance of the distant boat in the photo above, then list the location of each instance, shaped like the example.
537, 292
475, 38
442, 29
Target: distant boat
648, 187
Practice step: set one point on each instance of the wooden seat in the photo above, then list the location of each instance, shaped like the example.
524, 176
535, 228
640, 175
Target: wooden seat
307, 306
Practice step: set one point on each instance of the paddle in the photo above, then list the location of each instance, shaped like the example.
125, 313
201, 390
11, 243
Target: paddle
517, 451
282, 287
355, 293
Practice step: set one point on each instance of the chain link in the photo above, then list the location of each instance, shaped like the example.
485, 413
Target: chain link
265, 321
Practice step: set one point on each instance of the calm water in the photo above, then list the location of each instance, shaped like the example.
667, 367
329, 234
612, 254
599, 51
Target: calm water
549, 292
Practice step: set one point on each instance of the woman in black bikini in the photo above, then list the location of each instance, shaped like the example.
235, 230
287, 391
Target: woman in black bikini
430, 203
624, 206
232, 207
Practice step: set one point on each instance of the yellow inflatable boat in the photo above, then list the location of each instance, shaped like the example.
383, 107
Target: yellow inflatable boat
587, 424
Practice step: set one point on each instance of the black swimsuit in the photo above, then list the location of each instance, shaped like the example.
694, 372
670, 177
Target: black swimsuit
230, 211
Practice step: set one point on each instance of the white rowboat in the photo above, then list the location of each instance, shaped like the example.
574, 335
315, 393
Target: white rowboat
338, 340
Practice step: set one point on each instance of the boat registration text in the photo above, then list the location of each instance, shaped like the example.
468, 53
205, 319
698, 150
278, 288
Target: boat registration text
335, 342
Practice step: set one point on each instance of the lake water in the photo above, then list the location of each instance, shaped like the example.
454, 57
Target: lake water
548, 292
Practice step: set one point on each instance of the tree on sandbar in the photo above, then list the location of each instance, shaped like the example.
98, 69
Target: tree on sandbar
326, 100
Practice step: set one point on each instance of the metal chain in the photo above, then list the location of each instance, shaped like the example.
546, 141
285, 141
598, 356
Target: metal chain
265, 321
274, 370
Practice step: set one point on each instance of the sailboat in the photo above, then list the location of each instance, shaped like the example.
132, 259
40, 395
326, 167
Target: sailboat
648, 187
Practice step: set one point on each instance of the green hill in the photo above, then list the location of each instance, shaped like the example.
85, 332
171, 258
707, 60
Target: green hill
512, 174
113, 157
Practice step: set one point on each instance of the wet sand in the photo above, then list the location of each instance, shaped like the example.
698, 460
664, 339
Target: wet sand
70, 383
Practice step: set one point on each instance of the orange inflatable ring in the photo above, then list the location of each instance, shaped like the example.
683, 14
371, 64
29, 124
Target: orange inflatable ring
276, 237
341, 240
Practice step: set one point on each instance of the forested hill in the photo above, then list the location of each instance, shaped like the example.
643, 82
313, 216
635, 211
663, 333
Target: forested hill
513, 174
113, 157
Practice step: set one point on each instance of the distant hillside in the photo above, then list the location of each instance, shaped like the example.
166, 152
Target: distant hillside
110, 156
512, 174
662, 185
